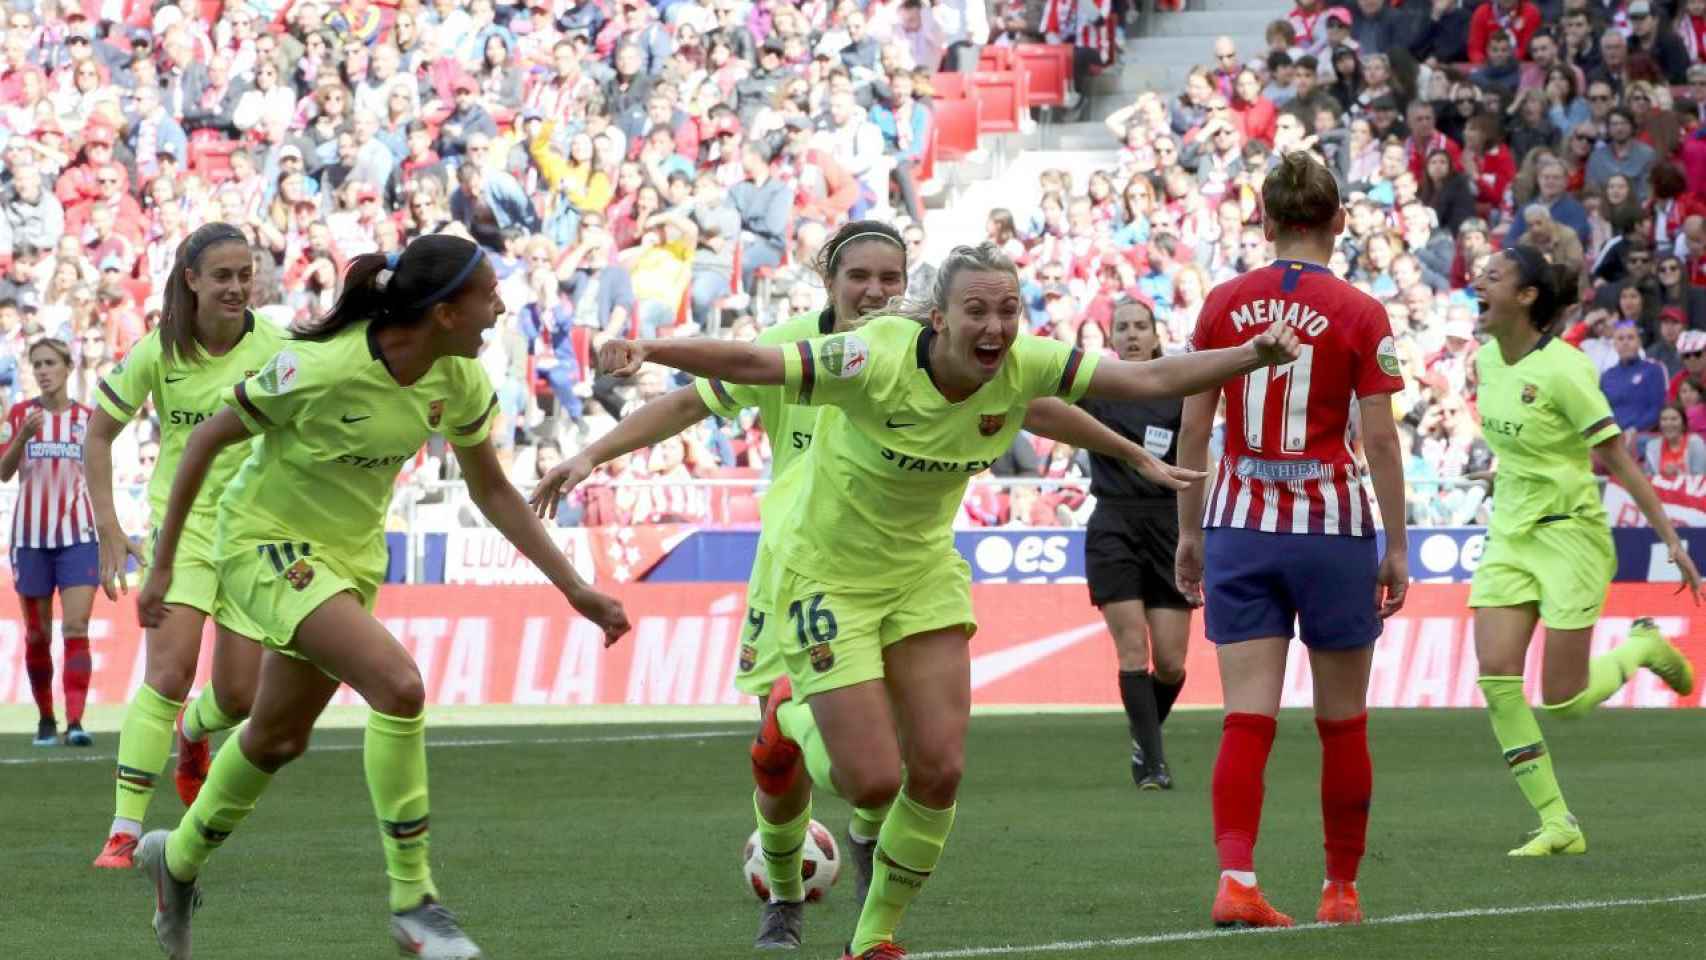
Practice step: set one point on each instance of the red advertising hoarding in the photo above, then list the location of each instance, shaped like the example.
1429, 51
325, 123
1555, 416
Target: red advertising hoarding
1038, 644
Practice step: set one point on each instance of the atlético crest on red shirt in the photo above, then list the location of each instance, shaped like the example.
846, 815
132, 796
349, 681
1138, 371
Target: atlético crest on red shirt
990, 424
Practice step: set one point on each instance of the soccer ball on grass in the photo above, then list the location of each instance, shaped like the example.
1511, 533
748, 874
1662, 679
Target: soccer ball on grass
820, 865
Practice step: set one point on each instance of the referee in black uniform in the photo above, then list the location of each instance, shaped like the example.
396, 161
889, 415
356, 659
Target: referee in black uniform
1128, 555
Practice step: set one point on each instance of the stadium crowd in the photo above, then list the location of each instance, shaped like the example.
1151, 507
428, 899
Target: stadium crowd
670, 168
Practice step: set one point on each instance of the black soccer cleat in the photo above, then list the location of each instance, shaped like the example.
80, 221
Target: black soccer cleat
1157, 778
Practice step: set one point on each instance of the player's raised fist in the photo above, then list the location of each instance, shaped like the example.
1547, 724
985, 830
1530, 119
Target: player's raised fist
621, 358
1276, 345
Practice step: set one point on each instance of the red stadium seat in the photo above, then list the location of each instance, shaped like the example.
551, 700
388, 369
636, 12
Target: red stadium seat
927, 162
1045, 75
948, 86
1000, 97
956, 128
995, 58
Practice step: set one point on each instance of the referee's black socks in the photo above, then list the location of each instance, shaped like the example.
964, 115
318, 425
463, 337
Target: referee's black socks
1138, 693
1165, 695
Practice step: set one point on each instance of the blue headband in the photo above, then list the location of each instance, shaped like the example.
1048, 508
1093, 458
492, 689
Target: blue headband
392, 259
455, 282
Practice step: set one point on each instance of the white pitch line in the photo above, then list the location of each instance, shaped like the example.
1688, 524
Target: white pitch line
1184, 936
432, 745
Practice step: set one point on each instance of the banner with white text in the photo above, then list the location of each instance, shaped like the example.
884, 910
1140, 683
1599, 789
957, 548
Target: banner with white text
1038, 644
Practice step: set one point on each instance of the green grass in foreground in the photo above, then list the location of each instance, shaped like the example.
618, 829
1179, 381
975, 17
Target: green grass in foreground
560, 841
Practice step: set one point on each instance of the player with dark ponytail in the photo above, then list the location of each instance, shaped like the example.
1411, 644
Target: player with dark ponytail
1549, 558
300, 551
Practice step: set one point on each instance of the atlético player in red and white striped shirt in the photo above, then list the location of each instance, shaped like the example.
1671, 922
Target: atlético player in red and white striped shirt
53, 536
1290, 543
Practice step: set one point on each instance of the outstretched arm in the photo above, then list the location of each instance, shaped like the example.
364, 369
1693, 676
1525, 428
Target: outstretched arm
1189, 373
727, 360
657, 420
1062, 422
501, 503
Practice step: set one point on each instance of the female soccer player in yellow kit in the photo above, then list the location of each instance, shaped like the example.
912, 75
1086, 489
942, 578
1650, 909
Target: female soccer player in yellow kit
206, 342
1549, 557
300, 548
863, 266
876, 601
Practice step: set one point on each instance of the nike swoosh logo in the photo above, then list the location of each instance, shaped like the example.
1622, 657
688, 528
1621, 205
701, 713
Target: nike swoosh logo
897, 426
175, 379
999, 664
346, 418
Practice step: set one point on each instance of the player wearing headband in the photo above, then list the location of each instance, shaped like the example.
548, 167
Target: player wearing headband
300, 551
1549, 558
207, 340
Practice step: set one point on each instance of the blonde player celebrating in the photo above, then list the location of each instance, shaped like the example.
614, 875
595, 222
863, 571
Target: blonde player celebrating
1549, 558
207, 340
864, 266
876, 602
300, 550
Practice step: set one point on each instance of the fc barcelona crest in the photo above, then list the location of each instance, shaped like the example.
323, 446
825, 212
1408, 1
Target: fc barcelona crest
1529, 392
435, 413
822, 657
990, 424
748, 657
300, 575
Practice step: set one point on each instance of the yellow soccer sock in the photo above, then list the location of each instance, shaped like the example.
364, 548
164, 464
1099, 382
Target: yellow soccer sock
394, 757
908, 849
867, 823
144, 743
784, 847
1525, 750
233, 785
204, 716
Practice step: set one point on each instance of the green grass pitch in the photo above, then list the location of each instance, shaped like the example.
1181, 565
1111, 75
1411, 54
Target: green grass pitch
563, 841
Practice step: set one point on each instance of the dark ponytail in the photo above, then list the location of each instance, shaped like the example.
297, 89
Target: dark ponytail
397, 289
1557, 286
179, 304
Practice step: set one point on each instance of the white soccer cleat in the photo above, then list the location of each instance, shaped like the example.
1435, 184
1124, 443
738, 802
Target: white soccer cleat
431, 932
175, 902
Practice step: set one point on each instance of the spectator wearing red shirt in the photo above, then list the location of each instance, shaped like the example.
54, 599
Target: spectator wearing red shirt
1425, 138
1253, 113
111, 194
1487, 162
1518, 18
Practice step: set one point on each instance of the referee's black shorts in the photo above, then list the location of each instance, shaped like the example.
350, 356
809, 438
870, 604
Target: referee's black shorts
1128, 554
